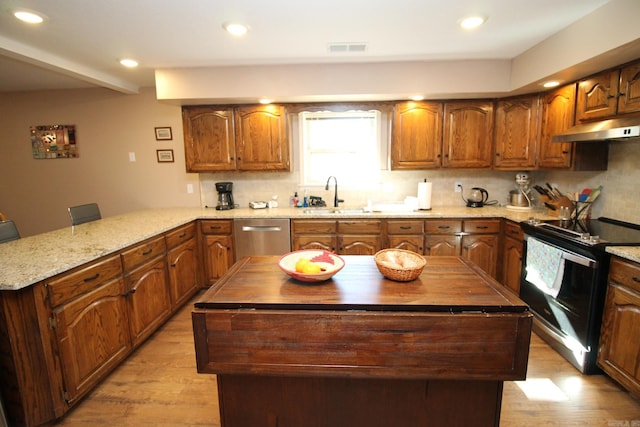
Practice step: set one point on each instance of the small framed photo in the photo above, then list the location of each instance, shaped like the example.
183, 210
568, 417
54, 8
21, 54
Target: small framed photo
163, 134
164, 156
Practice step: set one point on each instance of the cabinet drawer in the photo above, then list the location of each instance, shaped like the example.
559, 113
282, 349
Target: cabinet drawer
180, 235
313, 227
405, 227
625, 272
442, 226
513, 230
360, 227
482, 226
216, 226
143, 252
69, 286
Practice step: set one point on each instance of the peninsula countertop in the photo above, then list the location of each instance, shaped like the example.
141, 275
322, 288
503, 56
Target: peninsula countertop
31, 259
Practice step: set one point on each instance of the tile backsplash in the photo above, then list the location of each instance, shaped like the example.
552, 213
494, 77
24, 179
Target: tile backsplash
618, 199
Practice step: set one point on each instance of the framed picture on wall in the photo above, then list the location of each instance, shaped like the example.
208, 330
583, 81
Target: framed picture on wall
163, 134
164, 156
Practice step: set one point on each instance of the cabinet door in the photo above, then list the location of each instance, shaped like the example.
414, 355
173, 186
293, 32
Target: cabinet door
417, 135
468, 134
183, 272
558, 109
360, 245
409, 243
93, 336
209, 142
597, 96
516, 133
149, 299
262, 140
619, 350
482, 250
629, 97
512, 264
218, 256
442, 245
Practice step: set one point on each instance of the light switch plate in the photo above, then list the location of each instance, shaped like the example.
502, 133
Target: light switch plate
132, 156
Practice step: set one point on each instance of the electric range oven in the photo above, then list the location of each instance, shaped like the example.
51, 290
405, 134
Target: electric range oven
564, 281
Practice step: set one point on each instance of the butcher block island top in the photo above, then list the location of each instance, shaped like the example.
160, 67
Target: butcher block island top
360, 349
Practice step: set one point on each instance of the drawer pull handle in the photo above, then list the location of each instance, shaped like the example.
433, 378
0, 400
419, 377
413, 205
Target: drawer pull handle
214, 227
482, 227
182, 235
94, 277
147, 252
405, 227
444, 227
635, 279
129, 292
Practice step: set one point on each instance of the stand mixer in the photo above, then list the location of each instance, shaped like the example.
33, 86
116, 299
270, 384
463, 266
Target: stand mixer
520, 198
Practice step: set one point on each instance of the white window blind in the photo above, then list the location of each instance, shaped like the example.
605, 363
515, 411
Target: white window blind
342, 144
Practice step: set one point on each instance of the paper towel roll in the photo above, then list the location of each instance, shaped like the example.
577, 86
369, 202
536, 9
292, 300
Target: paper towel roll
424, 195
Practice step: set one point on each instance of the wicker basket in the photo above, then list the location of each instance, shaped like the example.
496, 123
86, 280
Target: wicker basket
395, 271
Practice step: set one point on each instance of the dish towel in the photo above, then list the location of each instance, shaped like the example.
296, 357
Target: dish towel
545, 266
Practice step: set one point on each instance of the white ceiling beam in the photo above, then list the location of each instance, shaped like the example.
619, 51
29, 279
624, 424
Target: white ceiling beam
48, 61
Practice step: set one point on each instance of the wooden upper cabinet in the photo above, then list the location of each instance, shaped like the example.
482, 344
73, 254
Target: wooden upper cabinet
417, 135
629, 90
250, 138
468, 134
209, 139
558, 110
597, 96
516, 133
262, 141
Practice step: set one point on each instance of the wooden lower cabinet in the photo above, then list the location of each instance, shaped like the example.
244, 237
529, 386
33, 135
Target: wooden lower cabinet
511, 259
314, 234
345, 237
93, 337
182, 261
406, 234
217, 248
619, 351
60, 337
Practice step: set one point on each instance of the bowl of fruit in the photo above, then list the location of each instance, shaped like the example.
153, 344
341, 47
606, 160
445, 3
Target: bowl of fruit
312, 265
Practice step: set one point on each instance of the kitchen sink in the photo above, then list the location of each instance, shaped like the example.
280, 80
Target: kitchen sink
327, 211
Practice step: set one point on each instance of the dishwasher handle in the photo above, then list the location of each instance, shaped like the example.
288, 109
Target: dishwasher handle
261, 228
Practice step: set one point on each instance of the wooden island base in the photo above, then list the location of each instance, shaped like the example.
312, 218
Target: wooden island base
341, 402
361, 350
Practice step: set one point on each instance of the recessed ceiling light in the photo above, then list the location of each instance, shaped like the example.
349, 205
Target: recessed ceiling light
472, 22
129, 63
551, 84
235, 29
417, 98
29, 16
266, 101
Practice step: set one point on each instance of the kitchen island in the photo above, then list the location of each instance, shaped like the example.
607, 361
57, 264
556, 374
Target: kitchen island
360, 349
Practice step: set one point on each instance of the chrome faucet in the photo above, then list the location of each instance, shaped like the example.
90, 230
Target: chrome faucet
335, 197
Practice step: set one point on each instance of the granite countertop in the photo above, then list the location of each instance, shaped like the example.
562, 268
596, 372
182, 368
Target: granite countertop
632, 253
32, 259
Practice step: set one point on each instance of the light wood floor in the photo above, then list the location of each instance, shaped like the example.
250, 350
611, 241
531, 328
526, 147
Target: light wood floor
158, 386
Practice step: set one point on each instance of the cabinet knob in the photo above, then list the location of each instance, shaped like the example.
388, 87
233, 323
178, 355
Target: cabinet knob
129, 292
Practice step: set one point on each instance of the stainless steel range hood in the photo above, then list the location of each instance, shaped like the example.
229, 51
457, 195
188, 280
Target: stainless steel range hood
621, 129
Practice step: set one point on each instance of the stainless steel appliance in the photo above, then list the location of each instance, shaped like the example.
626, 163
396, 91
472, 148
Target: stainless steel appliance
568, 312
270, 236
225, 195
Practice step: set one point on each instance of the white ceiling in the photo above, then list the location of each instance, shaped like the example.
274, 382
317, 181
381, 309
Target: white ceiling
81, 41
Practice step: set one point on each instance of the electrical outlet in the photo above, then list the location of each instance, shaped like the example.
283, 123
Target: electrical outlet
458, 187
190, 188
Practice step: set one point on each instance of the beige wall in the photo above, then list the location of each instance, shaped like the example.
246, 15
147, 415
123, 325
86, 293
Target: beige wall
36, 193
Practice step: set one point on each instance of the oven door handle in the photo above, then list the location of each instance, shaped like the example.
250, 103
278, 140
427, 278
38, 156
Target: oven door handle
570, 256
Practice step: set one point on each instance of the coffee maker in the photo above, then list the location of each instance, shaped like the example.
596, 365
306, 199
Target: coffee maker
225, 196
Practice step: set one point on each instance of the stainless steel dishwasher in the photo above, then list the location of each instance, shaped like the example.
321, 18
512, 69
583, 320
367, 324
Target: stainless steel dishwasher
261, 237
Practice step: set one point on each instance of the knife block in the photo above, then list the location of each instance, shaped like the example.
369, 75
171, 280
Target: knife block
553, 205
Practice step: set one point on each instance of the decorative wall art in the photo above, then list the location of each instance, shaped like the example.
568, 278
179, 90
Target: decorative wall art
163, 134
54, 142
164, 156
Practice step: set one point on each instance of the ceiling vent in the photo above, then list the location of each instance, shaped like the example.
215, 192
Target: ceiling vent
347, 47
